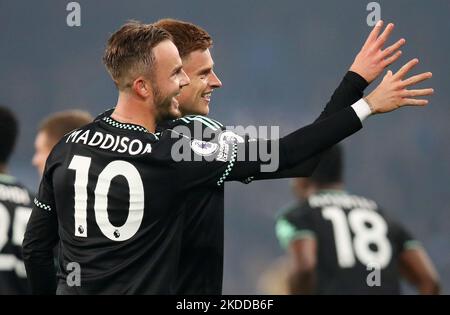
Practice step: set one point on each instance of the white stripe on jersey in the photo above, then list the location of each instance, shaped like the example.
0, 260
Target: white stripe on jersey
206, 121
185, 120
213, 121
179, 134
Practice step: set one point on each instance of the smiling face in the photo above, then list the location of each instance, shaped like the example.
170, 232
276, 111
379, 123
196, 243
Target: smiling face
195, 98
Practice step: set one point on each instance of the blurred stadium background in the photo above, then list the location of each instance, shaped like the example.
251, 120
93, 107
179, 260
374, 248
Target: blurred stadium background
279, 62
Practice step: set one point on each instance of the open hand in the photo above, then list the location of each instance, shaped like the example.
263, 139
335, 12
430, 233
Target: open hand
372, 59
392, 93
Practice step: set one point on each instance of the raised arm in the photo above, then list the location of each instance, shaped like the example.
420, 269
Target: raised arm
391, 94
367, 66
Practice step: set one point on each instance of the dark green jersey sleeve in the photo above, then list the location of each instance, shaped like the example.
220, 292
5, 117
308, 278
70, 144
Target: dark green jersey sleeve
295, 223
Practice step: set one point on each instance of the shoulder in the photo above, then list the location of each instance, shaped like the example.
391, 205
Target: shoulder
206, 122
202, 128
193, 127
294, 223
293, 211
341, 199
364, 202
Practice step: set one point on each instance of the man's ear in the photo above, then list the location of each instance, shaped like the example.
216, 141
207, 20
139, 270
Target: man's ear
142, 87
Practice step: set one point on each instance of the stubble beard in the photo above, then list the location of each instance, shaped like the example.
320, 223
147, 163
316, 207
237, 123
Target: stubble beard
163, 105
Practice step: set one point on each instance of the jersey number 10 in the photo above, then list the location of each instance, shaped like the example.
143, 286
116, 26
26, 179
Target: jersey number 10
81, 165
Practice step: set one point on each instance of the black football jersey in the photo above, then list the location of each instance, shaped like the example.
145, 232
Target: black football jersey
117, 197
114, 195
15, 210
358, 245
200, 269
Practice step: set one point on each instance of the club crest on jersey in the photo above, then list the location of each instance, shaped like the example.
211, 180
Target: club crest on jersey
230, 137
204, 148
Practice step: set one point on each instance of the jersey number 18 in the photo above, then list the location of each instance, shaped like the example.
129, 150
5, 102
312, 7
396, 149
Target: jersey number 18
368, 228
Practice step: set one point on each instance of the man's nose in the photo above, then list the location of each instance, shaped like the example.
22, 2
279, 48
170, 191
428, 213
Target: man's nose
184, 79
215, 82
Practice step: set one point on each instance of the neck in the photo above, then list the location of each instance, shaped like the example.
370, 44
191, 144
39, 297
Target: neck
131, 109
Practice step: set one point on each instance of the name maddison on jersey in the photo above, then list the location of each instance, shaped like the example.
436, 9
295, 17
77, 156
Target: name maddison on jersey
107, 141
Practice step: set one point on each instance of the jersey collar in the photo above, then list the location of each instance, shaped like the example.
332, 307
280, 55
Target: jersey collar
125, 126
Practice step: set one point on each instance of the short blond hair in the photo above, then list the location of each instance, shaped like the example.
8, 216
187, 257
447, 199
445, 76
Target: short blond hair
59, 124
129, 52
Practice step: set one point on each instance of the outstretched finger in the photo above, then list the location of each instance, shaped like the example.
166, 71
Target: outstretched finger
393, 48
414, 102
417, 79
406, 68
415, 93
374, 34
392, 59
385, 35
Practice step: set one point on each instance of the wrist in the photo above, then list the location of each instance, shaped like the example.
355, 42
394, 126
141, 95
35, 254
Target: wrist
356, 80
360, 71
370, 102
